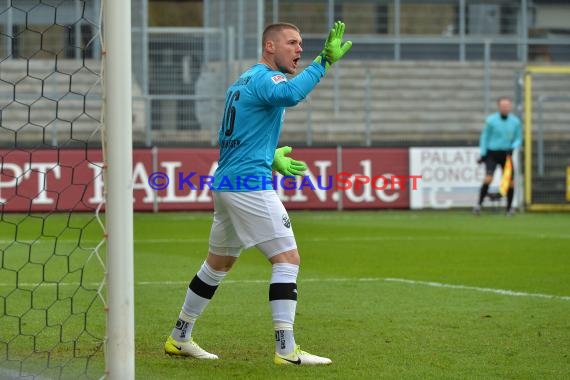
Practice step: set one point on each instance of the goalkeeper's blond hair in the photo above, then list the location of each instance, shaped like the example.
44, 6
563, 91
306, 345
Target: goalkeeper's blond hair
272, 29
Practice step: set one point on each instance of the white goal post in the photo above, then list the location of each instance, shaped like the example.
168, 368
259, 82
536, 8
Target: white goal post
117, 103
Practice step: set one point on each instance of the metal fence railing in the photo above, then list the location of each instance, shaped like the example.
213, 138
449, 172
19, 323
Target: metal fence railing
391, 30
182, 81
181, 73
184, 101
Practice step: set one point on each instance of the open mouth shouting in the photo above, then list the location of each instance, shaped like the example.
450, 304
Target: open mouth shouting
296, 61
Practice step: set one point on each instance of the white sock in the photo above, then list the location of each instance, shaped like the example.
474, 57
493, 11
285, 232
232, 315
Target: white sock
283, 300
284, 341
199, 293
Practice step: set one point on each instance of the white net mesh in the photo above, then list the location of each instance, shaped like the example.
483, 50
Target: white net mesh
52, 318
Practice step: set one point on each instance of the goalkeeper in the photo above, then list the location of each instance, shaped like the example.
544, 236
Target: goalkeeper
500, 136
244, 218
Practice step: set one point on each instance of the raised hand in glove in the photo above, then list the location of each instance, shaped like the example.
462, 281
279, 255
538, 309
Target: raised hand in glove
334, 48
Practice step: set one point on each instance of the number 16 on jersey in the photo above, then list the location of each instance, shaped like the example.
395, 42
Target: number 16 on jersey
230, 113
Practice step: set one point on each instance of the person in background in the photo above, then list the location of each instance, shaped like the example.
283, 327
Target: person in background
500, 136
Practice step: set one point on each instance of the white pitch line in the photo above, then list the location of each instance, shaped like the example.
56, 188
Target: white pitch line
262, 281
503, 292
313, 239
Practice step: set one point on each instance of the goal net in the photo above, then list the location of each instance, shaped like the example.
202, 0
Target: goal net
52, 318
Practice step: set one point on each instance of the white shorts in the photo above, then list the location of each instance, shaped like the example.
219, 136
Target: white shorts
246, 219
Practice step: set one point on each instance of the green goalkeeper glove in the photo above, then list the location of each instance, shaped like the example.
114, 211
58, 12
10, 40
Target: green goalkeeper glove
334, 49
286, 165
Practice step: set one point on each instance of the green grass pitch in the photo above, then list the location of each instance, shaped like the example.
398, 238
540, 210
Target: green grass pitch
384, 294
